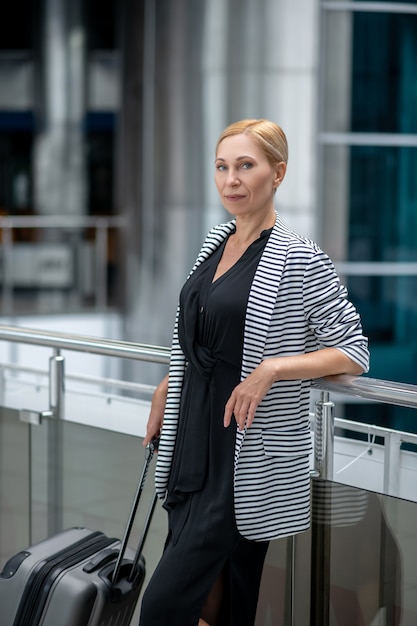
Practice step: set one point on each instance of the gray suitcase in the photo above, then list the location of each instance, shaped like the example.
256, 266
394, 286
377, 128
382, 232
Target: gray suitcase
78, 577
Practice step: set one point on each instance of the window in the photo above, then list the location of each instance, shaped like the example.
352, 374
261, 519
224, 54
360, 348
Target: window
368, 140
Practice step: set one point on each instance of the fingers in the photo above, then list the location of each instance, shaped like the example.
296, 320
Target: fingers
149, 437
153, 429
228, 412
246, 396
243, 409
156, 415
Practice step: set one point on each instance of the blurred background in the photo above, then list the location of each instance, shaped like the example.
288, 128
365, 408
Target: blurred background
109, 115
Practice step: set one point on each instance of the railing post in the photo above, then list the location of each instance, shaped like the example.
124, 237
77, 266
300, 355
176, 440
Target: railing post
2, 385
101, 264
392, 463
324, 436
289, 612
7, 268
55, 442
320, 532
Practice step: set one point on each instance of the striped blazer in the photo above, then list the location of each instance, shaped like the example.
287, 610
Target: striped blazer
296, 305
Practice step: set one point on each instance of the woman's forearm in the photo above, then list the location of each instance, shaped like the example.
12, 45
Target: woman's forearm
156, 415
324, 362
246, 397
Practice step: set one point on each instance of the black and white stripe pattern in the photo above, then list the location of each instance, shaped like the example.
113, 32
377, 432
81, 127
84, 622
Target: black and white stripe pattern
338, 505
296, 305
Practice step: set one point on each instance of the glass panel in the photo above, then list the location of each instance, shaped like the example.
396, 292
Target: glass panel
375, 192
383, 200
362, 568
274, 604
100, 470
14, 483
336, 71
376, 457
91, 484
279, 588
383, 73
74, 270
386, 415
370, 67
365, 572
388, 306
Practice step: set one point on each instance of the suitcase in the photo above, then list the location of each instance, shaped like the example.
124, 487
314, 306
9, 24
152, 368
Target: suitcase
77, 577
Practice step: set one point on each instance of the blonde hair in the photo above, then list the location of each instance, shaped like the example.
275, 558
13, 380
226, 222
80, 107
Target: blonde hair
269, 136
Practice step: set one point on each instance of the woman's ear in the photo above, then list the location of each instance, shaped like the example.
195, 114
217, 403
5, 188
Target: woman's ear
280, 171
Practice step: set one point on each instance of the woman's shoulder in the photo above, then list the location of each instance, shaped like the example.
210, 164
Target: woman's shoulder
295, 243
222, 229
218, 233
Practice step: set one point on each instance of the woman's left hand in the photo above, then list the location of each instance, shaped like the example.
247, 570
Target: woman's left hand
245, 398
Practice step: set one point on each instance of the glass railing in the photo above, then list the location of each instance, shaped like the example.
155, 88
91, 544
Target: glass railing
59, 263
355, 567
70, 455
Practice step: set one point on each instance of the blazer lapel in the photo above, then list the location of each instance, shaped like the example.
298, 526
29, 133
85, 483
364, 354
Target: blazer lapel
264, 289
213, 240
263, 295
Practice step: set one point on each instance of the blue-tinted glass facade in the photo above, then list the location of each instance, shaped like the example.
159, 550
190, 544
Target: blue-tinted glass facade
383, 204
384, 73
383, 195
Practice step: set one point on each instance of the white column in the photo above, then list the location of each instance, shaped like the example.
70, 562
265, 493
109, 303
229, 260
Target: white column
59, 163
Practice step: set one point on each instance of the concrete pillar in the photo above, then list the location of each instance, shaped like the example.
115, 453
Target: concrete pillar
59, 160
189, 69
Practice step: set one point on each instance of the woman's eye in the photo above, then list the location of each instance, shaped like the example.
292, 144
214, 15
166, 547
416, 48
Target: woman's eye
246, 166
221, 168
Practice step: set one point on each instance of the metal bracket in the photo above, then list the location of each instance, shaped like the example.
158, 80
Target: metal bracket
28, 416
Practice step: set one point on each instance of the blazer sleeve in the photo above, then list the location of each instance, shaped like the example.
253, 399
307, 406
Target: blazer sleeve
331, 316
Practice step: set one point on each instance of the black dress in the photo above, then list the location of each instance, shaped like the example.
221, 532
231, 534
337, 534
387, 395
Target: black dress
203, 539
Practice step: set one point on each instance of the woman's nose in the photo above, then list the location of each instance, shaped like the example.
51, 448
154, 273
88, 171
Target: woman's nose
232, 178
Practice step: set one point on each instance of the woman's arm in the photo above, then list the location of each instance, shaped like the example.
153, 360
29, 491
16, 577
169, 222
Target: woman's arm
324, 362
246, 397
156, 415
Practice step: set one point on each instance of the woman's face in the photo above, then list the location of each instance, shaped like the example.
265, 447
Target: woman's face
244, 177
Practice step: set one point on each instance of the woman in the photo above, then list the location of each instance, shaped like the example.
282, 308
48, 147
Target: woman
261, 314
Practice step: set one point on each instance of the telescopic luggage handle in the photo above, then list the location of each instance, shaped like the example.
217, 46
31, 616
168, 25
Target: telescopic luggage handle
151, 448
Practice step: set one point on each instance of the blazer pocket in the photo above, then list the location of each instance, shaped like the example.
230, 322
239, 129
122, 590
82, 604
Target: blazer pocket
286, 443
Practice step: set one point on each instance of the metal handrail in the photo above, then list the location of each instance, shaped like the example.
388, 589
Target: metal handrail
385, 391
81, 343
377, 268
60, 221
399, 394
372, 429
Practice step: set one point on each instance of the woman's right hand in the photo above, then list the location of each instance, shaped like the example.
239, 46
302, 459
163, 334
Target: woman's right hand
156, 415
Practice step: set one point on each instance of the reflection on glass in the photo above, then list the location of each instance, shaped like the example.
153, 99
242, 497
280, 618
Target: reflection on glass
355, 567
360, 572
14, 484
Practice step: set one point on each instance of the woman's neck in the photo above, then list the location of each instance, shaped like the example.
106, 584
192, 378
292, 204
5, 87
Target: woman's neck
247, 230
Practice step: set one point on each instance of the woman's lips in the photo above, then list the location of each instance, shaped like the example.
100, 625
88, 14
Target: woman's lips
234, 197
